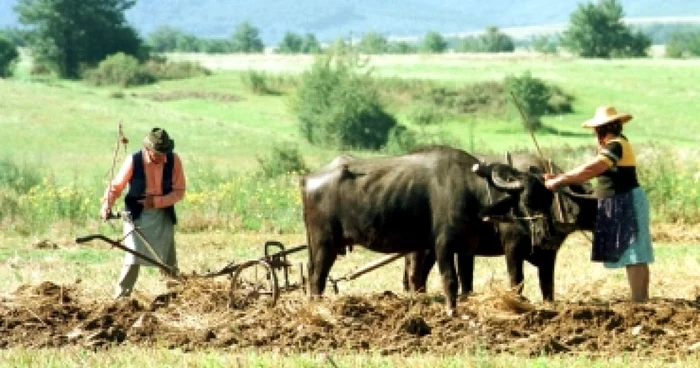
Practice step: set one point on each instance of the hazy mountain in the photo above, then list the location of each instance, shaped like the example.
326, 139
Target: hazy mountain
331, 19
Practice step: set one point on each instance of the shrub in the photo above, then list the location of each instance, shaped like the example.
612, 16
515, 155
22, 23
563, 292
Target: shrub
256, 82
477, 98
162, 69
559, 102
339, 107
425, 115
532, 94
403, 139
40, 69
119, 69
18, 178
116, 94
282, 160
15, 183
8, 57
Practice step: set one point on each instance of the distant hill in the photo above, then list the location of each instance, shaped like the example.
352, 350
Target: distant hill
331, 19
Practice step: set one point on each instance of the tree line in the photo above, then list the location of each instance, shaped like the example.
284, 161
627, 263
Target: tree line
71, 36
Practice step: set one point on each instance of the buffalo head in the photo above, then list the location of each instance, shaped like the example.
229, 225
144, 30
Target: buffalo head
526, 197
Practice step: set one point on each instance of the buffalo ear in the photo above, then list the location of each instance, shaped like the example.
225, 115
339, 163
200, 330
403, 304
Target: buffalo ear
498, 209
482, 169
566, 227
535, 170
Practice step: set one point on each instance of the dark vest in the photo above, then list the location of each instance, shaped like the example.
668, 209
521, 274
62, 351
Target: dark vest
137, 186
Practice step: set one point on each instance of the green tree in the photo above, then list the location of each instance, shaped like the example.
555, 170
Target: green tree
597, 31
14, 35
8, 56
69, 35
469, 44
215, 45
433, 42
188, 43
341, 46
246, 39
373, 43
291, 44
401, 47
544, 44
683, 44
492, 40
163, 39
496, 41
310, 44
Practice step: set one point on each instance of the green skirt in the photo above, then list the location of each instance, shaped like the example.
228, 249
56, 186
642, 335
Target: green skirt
639, 250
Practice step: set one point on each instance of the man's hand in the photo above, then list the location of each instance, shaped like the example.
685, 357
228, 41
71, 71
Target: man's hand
147, 202
104, 212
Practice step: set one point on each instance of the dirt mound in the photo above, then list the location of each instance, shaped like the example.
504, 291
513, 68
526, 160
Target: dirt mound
198, 313
676, 233
182, 95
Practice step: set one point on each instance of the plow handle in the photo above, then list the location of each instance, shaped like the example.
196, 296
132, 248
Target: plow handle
82, 239
373, 266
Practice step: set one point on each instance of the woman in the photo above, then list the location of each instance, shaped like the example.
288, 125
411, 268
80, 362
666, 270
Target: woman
621, 237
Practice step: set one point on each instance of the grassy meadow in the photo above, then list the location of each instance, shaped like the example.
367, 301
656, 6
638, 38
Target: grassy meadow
59, 137
58, 143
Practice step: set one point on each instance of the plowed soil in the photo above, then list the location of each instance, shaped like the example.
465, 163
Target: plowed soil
200, 313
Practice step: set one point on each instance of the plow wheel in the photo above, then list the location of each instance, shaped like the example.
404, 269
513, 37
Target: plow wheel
254, 282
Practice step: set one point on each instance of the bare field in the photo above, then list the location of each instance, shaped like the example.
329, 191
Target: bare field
59, 302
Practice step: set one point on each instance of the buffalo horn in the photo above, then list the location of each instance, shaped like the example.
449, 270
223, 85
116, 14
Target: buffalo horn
497, 175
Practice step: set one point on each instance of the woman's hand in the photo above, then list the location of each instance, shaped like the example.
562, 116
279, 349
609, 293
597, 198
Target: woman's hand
552, 182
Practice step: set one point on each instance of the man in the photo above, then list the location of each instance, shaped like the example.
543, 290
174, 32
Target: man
156, 183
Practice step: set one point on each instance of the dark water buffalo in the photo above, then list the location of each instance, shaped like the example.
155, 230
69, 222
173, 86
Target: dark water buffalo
529, 225
426, 200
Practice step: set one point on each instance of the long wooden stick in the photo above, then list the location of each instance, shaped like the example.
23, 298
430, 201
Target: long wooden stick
547, 163
547, 169
121, 140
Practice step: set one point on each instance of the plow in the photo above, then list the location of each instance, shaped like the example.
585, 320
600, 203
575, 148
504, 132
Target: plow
261, 280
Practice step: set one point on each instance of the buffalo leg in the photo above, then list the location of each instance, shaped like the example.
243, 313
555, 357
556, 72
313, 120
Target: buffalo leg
465, 269
445, 260
545, 272
514, 264
426, 267
415, 276
408, 268
321, 258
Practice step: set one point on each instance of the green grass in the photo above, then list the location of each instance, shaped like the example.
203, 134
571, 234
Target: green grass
138, 357
67, 131
71, 127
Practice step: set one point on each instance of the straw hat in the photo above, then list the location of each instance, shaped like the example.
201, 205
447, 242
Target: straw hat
604, 115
